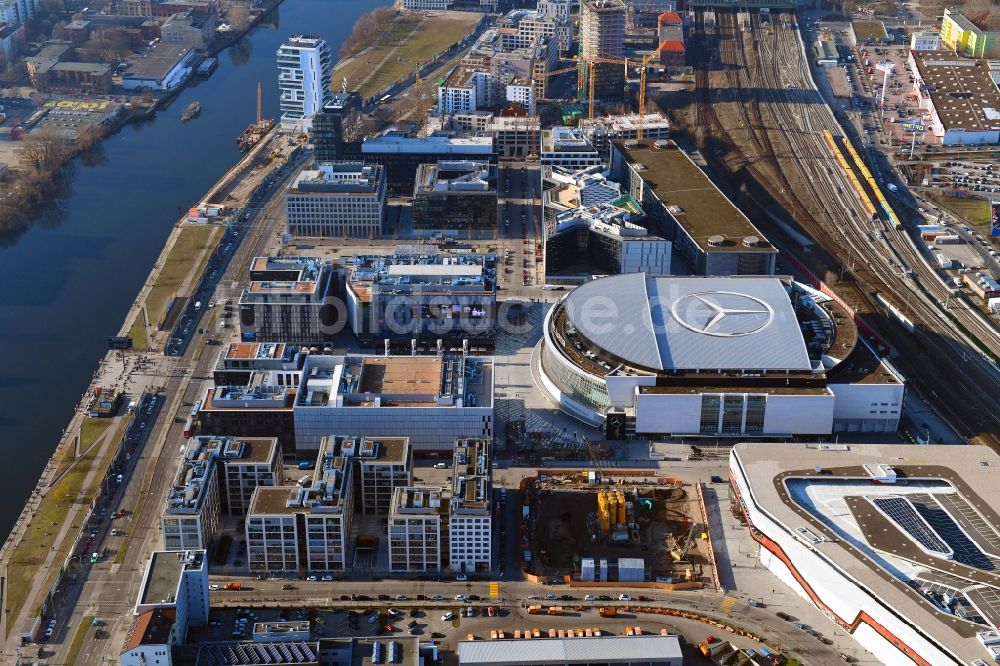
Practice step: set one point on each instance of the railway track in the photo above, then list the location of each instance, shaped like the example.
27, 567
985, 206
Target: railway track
781, 114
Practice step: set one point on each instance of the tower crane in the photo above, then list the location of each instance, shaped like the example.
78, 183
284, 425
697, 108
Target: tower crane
642, 91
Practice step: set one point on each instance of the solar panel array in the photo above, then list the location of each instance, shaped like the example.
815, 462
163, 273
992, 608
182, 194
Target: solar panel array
966, 551
903, 513
256, 654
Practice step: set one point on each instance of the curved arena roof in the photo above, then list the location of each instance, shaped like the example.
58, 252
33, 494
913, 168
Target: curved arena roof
690, 323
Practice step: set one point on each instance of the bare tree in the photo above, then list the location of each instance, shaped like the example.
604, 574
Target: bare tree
43, 151
984, 13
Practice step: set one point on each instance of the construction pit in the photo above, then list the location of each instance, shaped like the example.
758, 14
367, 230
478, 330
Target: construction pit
575, 516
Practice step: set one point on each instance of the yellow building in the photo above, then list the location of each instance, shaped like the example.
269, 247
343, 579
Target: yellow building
962, 35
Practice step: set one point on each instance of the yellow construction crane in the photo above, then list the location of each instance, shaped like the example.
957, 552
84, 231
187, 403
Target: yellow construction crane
642, 92
591, 67
259, 92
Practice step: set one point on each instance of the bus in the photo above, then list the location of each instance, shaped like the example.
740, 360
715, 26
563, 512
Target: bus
189, 428
384, 99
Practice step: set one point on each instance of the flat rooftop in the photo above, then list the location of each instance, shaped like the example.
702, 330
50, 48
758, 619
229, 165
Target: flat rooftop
419, 500
255, 450
576, 650
964, 95
405, 651
156, 62
869, 30
258, 350
911, 523
163, 575
386, 449
274, 500
417, 375
693, 199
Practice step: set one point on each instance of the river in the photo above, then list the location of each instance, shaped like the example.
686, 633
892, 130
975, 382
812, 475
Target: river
66, 285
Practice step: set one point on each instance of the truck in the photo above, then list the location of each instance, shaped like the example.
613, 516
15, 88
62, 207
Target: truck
535, 609
555, 610
606, 611
233, 586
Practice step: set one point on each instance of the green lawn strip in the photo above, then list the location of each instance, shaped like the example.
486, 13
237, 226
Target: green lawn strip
81, 633
31, 551
976, 212
90, 431
435, 35
189, 248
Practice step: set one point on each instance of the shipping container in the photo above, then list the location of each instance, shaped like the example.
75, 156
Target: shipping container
608, 612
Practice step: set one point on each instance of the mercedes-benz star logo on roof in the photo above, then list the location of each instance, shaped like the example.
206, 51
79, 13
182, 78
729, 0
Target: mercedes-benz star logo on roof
724, 314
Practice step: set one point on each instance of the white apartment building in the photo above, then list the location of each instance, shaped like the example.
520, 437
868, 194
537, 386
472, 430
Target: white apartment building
248, 462
470, 525
304, 68
192, 510
433, 400
337, 199
522, 92
467, 90
319, 508
556, 8
418, 529
428, 4
173, 596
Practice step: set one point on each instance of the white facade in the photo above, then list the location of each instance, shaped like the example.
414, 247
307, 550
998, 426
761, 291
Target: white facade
523, 94
867, 407
925, 41
568, 148
272, 542
304, 68
465, 91
646, 256
815, 573
328, 401
470, 543
427, 4
556, 8
192, 510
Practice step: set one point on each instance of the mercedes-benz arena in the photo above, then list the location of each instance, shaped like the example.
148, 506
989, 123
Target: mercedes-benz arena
898, 544
759, 357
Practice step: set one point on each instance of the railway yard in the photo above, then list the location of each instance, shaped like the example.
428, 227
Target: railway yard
767, 120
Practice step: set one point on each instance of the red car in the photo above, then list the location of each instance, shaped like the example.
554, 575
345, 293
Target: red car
490, 611
709, 639
390, 628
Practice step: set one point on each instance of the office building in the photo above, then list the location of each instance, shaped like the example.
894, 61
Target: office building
246, 463
968, 39
685, 207
516, 137
188, 29
239, 362
470, 526
511, 53
431, 399
305, 65
416, 295
531, 27
456, 197
192, 509
728, 357
260, 407
384, 464
337, 200
568, 147
602, 35
286, 301
604, 238
895, 544
601, 131
173, 596
338, 121
305, 526
556, 8
402, 155
959, 95
418, 530
645, 650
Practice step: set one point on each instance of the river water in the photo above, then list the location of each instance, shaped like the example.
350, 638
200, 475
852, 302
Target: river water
66, 284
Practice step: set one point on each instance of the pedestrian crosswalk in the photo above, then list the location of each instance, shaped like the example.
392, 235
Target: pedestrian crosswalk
494, 590
727, 603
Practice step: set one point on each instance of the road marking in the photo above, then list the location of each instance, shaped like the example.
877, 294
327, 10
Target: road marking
494, 590
727, 603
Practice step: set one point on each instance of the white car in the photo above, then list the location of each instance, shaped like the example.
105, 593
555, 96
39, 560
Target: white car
459, 597
448, 615
588, 597
214, 587
462, 578
440, 465
328, 577
311, 578
624, 597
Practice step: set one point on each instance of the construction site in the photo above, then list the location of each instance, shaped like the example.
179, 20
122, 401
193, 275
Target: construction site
618, 527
